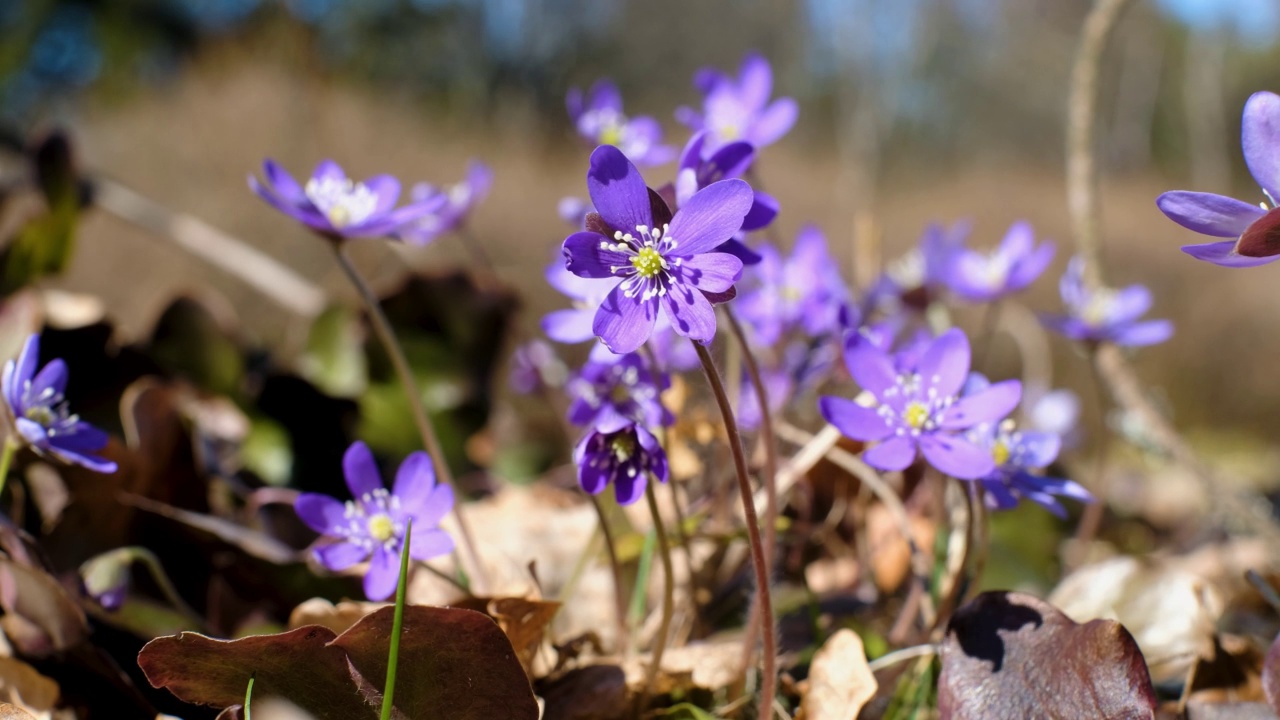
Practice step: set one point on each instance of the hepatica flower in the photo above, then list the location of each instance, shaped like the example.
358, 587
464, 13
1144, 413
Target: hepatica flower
920, 411
700, 166
1014, 265
1019, 456
915, 279
1105, 314
372, 525
739, 108
804, 290
450, 205
623, 456
1255, 228
612, 394
657, 261
335, 206
38, 412
599, 119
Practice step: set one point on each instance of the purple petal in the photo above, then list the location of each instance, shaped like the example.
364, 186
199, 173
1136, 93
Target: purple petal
282, 183
17, 373
1224, 254
33, 432
306, 213
1018, 240
690, 118
713, 272
585, 257
360, 470
852, 419
383, 576
956, 457
1039, 449
730, 161
896, 453
593, 480
739, 249
1031, 267
429, 544
764, 208
570, 326
624, 323
690, 313
414, 481
628, 489
340, 556
52, 376
1260, 138
328, 169
387, 189
1129, 304
774, 122
573, 103
707, 78
1151, 332
947, 360
434, 507
714, 214
990, 405
604, 95
870, 366
617, 190
691, 155
1207, 213
320, 512
755, 81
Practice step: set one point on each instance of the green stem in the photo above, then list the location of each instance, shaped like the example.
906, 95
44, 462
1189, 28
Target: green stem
431, 441
611, 547
668, 594
770, 659
6, 459
248, 698
397, 624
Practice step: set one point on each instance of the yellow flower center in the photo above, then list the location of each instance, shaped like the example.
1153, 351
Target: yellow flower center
40, 414
1098, 309
623, 447
916, 415
611, 134
381, 528
791, 293
1000, 452
730, 132
648, 262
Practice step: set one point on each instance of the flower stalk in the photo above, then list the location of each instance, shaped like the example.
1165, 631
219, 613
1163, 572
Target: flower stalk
397, 624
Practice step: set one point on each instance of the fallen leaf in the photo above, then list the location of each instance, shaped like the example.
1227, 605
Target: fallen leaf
1271, 675
13, 712
840, 681
709, 665
594, 692
301, 666
40, 616
1011, 656
339, 617
26, 685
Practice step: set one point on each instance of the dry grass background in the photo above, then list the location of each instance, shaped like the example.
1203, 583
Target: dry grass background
191, 144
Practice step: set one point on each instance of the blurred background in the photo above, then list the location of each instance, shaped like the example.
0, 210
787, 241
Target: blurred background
912, 111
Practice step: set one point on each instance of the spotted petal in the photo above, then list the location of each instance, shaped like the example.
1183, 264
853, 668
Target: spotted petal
624, 323
690, 313
713, 272
586, 256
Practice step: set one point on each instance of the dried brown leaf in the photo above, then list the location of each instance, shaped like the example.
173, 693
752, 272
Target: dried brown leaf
840, 681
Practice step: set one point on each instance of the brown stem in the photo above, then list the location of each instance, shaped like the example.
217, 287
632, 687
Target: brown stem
668, 593
387, 336
611, 547
770, 660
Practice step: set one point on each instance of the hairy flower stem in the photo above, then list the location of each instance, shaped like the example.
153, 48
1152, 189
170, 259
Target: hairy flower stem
387, 336
619, 595
770, 443
668, 593
6, 459
1091, 518
770, 660
397, 625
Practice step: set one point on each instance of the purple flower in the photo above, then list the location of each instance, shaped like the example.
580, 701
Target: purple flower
915, 279
337, 207
1104, 314
920, 412
574, 211
624, 456
38, 412
535, 367
805, 290
1256, 228
601, 121
699, 167
1014, 265
739, 109
1018, 455
372, 526
576, 324
778, 387
660, 260
451, 205
609, 395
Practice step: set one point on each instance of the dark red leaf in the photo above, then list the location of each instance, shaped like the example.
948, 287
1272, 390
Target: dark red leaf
300, 665
454, 663
1011, 656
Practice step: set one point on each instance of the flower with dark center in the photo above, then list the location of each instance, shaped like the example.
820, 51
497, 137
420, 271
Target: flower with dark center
614, 393
623, 457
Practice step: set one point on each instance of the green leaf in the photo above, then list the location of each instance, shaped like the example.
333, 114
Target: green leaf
334, 360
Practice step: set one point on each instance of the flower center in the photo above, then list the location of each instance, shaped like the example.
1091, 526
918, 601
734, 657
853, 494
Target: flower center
730, 132
611, 134
1099, 307
623, 446
1000, 452
41, 414
648, 262
342, 201
381, 528
915, 414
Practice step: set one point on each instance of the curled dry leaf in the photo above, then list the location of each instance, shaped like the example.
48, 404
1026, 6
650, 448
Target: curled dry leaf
705, 666
840, 681
1011, 656
1171, 612
524, 620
